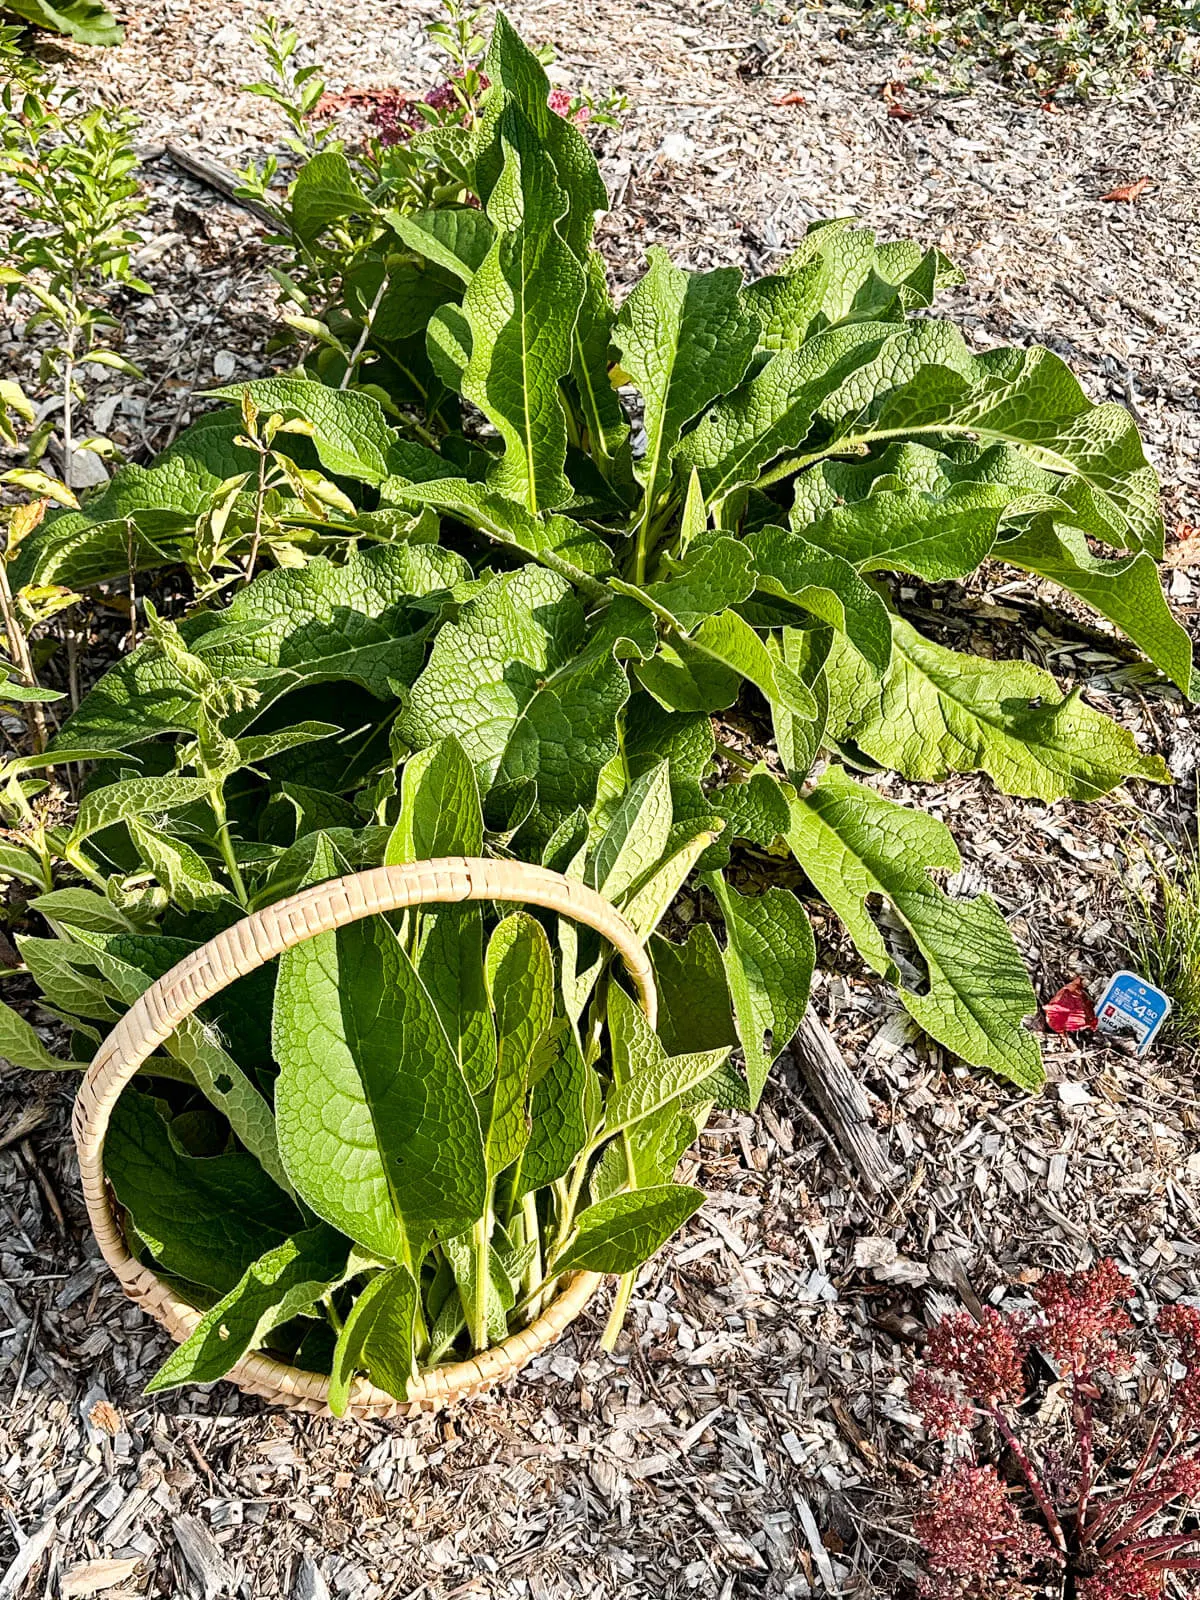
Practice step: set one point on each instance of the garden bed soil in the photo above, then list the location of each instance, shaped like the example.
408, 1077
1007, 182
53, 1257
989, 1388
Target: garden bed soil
751, 1435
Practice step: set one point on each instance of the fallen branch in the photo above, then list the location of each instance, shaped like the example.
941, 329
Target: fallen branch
217, 176
840, 1098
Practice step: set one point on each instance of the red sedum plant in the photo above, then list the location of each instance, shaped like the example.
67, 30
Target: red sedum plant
1104, 1513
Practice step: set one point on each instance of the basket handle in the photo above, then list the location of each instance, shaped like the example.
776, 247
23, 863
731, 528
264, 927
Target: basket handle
263, 935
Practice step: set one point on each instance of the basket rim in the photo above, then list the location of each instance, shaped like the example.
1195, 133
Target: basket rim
250, 943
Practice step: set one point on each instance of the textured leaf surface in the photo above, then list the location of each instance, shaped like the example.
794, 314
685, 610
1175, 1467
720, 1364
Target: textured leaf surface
440, 813
281, 1284
645, 1078
636, 836
289, 628
205, 1219
520, 980
695, 1009
938, 711
1127, 592
377, 1128
450, 964
774, 410
684, 338
618, 1234
350, 431
907, 531
769, 957
855, 845
826, 585
21, 1045
377, 1338
521, 306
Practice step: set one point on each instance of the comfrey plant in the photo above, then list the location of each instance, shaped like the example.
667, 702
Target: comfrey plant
1100, 1498
585, 617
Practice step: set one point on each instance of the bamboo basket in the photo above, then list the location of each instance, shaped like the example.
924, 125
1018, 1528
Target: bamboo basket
252, 942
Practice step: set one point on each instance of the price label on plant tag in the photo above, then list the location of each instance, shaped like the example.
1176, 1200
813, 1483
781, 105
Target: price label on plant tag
1131, 1005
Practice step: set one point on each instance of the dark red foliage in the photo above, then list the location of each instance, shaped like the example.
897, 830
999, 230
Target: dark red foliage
984, 1357
1084, 1319
974, 1537
1113, 1511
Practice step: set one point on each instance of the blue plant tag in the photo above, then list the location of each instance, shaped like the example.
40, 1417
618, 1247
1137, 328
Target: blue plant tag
1131, 1005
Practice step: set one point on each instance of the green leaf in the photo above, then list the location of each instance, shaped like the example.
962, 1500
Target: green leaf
646, 907
695, 1009
683, 338
558, 1120
1030, 399
21, 1045
554, 540
604, 416
456, 238
769, 957
229, 1088
637, 836
938, 711
205, 1219
618, 1234
377, 1338
79, 908
932, 536
712, 577
85, 20
287, 630
181, 871
645, 1078
798, 739
450, 965
509, 682
1127, 592
283, 1283
448, 346
521, 306
702, 673
135, 797
377, 1128
325, 191
349, 430
440, 813
827, 586
859, 848
774, 410
15, 693
520, 980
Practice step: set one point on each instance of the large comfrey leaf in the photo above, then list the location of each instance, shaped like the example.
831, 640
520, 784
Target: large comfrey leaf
348, 429
377, 1338
377, 1127
931, 536
938, 711
705, 672
206, 1219
774, 410
354, 623
511, 681
684, 339
863, 851
1127, 591
1031, 400
619, 1233
769, 957
556, 541
826, 585
521, 306
520, 982
456, 238
284, 1282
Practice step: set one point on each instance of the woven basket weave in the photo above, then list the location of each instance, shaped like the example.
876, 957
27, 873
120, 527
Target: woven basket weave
251, 943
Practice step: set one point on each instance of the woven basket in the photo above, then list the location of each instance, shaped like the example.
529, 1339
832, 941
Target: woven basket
251, 943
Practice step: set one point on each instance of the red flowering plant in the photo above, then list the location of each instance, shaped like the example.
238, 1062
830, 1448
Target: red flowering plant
1105, 1509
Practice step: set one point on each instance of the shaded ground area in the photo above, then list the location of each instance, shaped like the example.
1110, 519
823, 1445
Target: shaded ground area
751, 1436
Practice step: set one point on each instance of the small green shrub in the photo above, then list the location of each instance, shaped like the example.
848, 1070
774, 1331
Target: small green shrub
1164, 935
85, 20
1052, 47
